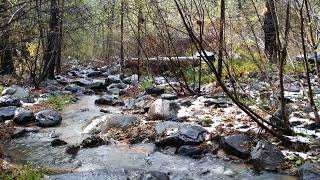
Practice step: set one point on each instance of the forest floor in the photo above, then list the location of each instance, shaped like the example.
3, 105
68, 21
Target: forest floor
101, 109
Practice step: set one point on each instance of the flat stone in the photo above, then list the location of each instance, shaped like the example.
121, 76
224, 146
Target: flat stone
22, 116
8, 100
48, 118
169, 96
7, 113
309, 171
162, 109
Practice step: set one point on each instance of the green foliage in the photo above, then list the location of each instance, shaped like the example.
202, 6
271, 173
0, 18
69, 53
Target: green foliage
1, 88
146, 84
242, 67
298, 68
24, 173
193, 76
59, 102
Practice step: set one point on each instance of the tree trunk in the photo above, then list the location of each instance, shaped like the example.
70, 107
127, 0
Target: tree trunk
58, 61
221, 37
7, 64
51, 53
139, 52
270, 31
109, 42
121, 38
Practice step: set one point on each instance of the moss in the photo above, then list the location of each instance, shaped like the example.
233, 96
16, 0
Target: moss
146, 84
59, 102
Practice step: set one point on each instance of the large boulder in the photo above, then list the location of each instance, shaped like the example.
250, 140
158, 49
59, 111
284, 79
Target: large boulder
106, 122
154, 90
83, 82
73, 88
112, 79
238, 145
95, 74
176, 134
162, 109
48, 118
7, 113
9, 100
22, 116
96, 86
309, 171
15, 91
104, 100
266, 156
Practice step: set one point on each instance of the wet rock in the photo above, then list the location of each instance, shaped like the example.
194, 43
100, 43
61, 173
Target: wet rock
104, 100
83, 82
277, 118
238, 145
160, 80
72, 150
96, 86
169, 96
8, 100
8, 91
178, 134
154, 90
7, 113
58, 142
162, 109
266, 156
104, 123
117, 85
154, 176
22, 116
191, 151
309, 171
95, 74
218, 103
93, 141
186, 103
48, 118
131, 80
112, 79
73, 88
21, 131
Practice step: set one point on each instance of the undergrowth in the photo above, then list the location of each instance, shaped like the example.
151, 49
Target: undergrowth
59, 102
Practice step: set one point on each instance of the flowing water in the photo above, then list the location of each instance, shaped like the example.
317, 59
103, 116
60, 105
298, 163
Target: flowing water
113, 161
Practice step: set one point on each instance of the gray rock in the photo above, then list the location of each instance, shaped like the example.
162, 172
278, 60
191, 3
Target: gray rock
83, 82
277, 119
154, 90
191, 151
48, 118
178, 134
169, 96
73, 88
309, 171
95, 74
266, 156
96, 86
112, 79
93, 141
104, 100
108, 121
160, 80
22, 131
154, 176
16, 91
238, 145
8, 100
162, 109
7, 113
22, 116
58, 142
117, 85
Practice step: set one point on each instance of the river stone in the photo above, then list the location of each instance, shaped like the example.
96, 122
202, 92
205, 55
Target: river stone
58, 142
7, 113
178, 134
22, 116
9, 100
169, 96
162, 109
309, 171
83, 82
95, 74
117, 85
112, 79
277, 119
104, 100
266, 156
15, 91
154, 176
154, 91
48, 118
22, 131
238, 145
73, 88
93, 141
108, 121
96, 86
191, 151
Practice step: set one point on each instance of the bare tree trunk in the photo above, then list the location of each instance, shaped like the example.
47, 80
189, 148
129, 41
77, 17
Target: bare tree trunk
58, 61
306, 65
270, 34
109, 42
221, 37
51, 53
139, 52
7, 65
121, 37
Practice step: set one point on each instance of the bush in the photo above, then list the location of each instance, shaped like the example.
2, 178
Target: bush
24, 173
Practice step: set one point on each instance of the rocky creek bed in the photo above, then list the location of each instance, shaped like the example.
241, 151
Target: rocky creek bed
114, 131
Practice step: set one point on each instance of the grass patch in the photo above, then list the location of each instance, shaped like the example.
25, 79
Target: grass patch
146, 84
59, 102
26, 172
